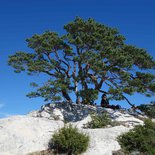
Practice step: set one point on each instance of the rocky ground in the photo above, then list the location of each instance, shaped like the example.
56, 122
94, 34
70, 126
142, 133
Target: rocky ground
21, 135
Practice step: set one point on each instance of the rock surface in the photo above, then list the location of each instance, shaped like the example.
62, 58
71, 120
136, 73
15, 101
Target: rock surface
103, 141
24, 134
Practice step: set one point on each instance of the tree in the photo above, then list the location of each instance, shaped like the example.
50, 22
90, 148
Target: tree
89, 56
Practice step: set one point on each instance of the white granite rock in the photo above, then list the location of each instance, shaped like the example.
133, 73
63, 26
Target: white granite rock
104, 141
24, 134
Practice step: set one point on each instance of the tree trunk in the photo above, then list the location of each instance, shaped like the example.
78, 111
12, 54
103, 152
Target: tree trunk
66, 96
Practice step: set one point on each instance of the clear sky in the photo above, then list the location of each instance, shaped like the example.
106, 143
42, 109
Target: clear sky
20, 19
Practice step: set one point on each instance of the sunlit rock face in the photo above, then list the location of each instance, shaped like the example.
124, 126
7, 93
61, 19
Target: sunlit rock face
29, 133
23, 134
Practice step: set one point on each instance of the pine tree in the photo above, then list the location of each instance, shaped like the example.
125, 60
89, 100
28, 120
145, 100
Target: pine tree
87, 57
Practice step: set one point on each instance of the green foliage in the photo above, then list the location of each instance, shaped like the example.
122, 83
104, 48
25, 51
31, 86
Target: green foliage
88, 96
90, 55
148, 109
100, 121
69, 140
141, 139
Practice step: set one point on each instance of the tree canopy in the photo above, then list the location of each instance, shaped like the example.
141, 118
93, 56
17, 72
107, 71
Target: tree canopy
87, 57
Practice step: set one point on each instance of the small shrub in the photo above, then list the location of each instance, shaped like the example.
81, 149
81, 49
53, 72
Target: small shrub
100, 121
69, 140
148, 109
140, 139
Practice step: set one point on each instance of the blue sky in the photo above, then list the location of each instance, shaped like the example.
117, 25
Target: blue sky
19, 20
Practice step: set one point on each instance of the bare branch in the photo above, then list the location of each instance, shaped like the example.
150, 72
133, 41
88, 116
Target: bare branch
103, 91
47, 72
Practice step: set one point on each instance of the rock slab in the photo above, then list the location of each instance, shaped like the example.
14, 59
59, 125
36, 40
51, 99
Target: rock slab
23, 134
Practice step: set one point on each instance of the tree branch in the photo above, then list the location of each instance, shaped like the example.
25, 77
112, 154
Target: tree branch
128, 101
47, 72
